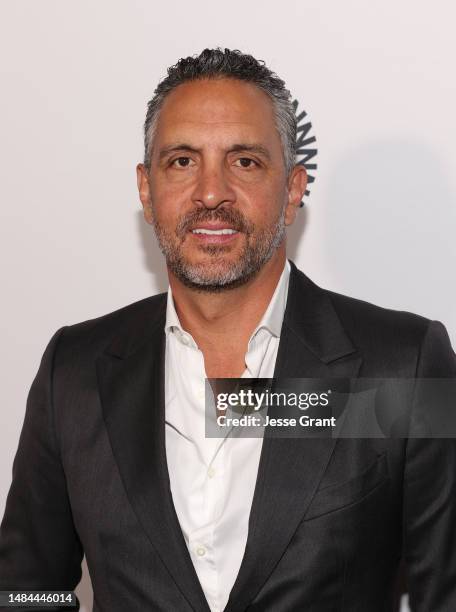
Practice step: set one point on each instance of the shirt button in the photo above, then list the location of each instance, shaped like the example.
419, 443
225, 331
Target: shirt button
211, 472
200, 551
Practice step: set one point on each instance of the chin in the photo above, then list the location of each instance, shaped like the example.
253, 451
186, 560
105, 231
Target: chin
216, 259
212, 277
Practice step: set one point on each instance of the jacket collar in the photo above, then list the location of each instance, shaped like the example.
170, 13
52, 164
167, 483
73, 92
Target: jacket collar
311, 316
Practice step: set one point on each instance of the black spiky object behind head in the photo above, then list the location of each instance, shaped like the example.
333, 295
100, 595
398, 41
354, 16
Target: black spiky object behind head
305, 146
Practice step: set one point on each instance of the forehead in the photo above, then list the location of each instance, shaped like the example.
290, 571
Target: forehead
217, 107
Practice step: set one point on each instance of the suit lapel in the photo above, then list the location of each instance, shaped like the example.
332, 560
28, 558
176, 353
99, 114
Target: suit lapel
131, 382
313, 344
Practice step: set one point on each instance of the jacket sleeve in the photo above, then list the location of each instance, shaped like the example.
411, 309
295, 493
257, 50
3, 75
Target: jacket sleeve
39, 546
430, 495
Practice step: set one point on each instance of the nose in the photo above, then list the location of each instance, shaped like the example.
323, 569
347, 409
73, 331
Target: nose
212, 187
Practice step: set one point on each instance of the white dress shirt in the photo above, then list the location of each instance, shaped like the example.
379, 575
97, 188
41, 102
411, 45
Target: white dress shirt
213, 479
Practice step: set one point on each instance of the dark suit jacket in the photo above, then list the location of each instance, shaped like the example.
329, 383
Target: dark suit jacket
330, 519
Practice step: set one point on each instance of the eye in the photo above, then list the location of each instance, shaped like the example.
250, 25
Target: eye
246, 162
181, 162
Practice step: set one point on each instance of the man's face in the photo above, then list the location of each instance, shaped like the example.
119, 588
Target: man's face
217, 191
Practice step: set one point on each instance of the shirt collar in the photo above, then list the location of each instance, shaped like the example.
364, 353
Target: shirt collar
273, 316
271, 321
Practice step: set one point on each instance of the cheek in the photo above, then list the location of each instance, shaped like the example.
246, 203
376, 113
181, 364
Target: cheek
169, 203
165, 191
263, 209
265, 198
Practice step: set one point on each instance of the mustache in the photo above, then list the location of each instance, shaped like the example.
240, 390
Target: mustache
224, 215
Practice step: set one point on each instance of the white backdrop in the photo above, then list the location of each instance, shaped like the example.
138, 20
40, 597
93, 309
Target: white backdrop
377, 79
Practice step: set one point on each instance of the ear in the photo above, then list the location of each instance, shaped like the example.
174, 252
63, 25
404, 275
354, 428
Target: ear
297, 183
142, 178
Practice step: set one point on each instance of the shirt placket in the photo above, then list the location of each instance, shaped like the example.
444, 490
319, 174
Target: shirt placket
201, 539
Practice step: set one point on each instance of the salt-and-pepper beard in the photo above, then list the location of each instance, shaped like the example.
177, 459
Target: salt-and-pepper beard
218, 275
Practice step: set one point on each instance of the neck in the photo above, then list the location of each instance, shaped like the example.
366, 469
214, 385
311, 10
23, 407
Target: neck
227, 318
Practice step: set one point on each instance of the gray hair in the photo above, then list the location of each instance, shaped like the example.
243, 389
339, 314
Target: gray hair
227, 63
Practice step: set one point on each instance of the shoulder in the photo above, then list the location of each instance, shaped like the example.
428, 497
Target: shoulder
409, 343
361, 318
128, 324
392, 342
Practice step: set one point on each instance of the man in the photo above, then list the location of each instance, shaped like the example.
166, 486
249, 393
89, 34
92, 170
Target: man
113, 461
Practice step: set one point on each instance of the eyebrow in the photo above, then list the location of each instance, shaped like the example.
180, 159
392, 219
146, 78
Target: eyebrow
236, 148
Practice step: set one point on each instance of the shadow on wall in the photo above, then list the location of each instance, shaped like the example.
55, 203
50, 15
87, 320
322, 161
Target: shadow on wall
154, 260
391, 225
296, 232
